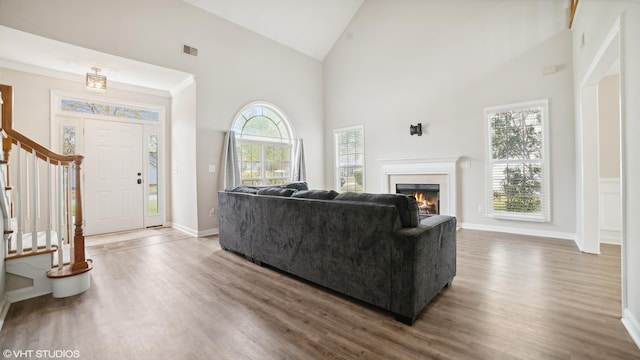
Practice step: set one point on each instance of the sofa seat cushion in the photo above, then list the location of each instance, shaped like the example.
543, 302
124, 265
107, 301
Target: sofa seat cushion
407, 205
316, 194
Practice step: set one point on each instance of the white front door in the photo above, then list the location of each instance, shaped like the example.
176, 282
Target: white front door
113, 176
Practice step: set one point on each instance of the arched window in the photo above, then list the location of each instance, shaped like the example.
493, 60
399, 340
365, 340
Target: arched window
264, 141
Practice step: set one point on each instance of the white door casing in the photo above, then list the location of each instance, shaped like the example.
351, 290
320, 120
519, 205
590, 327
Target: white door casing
113, 176
70, 124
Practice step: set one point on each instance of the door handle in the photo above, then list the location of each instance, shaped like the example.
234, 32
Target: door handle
139, 181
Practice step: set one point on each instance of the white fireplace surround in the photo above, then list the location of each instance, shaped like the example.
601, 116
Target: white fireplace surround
440, 171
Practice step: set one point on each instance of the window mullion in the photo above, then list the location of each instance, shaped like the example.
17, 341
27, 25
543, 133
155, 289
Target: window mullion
263, 175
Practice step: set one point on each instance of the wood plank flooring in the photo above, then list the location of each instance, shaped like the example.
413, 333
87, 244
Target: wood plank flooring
177, 297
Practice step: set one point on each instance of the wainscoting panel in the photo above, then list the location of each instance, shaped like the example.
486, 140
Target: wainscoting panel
610, 211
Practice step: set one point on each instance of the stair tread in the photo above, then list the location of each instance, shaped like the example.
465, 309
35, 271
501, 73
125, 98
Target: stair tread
26, 253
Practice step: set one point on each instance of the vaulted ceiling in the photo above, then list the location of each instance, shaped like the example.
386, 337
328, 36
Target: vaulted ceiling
309, 26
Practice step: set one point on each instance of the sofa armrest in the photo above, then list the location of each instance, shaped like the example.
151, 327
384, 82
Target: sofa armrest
423, 261
235, 221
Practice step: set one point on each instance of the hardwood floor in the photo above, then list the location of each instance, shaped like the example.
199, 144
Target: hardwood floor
177, 297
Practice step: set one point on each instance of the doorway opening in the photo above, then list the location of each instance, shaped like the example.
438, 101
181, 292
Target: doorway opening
600, 127
124, 166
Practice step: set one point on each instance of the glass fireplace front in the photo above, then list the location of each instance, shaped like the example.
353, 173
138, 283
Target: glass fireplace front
427, 196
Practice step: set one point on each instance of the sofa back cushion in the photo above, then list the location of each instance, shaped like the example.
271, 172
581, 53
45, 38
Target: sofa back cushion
316, 194
243, 189
407, 205
276, 191
297, 185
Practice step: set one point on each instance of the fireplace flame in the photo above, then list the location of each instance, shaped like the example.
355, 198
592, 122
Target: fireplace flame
425, 203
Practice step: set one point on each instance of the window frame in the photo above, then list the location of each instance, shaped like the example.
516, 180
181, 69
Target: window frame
544, 214
336, 157
264, 141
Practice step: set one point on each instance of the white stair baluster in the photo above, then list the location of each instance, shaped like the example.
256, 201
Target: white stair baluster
18, 201
70, 212
60, 211
48, 214
33, 202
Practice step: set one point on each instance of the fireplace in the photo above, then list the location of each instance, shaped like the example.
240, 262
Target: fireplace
433, 171
427, 196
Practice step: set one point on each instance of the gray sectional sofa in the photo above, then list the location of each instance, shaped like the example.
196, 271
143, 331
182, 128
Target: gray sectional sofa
370, 247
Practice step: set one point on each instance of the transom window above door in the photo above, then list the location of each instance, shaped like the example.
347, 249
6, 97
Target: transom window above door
264, 144
117, 110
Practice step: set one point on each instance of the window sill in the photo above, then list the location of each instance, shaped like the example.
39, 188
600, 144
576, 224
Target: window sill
519, 217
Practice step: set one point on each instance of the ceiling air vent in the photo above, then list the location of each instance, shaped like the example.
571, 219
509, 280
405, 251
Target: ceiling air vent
190, 50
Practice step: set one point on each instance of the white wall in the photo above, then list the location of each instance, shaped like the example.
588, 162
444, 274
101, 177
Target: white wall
594, 21
440, 63
184, 215
609, 207
609, 127
235, 66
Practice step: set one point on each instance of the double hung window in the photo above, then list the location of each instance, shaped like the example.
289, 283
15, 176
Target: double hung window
518, 165
349, 159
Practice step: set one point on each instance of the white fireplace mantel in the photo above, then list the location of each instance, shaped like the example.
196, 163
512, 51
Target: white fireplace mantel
446, 166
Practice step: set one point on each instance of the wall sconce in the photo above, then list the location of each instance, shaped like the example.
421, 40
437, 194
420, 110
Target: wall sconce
415, 129
95, 81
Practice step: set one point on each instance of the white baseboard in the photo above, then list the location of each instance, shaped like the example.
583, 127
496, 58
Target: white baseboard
632, 325
610, 237
208, 232
25, 293
184, 229
520, 231
4, 309
193, 232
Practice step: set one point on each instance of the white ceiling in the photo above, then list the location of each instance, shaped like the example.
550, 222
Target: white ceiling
309, 26
31, 53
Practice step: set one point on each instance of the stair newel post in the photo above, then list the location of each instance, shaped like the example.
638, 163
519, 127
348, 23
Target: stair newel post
7, 116
79, 262
6, 151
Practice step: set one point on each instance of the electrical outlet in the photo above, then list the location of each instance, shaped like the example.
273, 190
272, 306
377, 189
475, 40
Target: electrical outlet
212, 212
481, 208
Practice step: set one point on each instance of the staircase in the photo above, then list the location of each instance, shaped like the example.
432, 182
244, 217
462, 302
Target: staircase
41, 206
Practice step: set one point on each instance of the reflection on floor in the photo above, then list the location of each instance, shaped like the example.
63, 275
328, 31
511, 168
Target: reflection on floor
104, 243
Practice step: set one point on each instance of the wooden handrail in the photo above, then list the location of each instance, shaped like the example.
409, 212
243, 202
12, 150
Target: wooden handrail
14, 137
79, 263
574, 7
